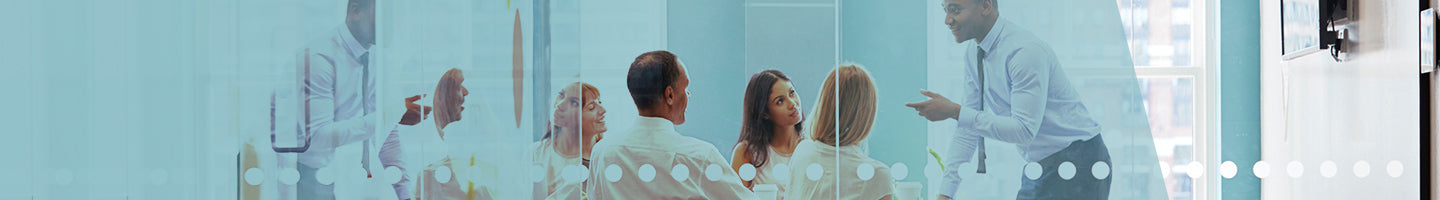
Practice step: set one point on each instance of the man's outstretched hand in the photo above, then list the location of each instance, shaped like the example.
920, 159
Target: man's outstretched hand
937, 108
414, 113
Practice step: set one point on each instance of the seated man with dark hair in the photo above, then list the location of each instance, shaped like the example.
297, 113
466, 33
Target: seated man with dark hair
645, 160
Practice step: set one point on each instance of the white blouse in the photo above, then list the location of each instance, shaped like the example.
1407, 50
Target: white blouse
775, 171
844, 181
554, 163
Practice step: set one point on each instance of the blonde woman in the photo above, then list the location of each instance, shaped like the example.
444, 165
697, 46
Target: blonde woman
843, 117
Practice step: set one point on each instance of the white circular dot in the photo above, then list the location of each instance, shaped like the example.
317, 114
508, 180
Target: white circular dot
646, 173
1228, 169
680, 172
159, 176
1195, 170
537, 173
1395, 169
1164, 169
899, 171
781, 172
1067, 170
325, 175
712, 172
392, 175
575, 173
1295, 169
747, 172
254, 176
442, 174
1327, 169
289, 176
1033, 170
1101, 170
1261, 169
1362, 169
865, 171
814, 171
613, 173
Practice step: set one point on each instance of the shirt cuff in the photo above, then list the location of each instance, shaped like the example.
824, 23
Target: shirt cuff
949, 186
966, 118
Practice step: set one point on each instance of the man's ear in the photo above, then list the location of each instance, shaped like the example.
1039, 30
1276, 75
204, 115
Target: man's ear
352, 7
669, 95
989, 6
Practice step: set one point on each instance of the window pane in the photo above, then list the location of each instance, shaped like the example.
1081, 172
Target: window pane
1159, 31
1170, 105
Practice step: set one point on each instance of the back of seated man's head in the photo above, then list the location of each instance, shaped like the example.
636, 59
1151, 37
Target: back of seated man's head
657, 82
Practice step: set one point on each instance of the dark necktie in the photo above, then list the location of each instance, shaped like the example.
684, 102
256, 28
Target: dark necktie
980, 72
365, 108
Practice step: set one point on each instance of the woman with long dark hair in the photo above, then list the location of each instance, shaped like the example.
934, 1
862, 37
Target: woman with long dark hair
771, 129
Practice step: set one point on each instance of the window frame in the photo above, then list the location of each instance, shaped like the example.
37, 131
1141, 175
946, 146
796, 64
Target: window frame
1206, 140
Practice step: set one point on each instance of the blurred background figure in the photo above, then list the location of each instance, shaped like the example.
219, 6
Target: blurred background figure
342, 106
451, 167
579, 122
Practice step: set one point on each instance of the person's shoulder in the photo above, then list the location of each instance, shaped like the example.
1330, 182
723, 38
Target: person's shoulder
879, 166
611, 140
694, 147
694, 144
538, 146
740, 148
1020, 40
807, 151
324, 43
611, 146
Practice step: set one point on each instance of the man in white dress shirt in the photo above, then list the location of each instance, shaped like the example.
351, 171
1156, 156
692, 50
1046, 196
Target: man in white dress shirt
1017, 93
342, 108
645, 159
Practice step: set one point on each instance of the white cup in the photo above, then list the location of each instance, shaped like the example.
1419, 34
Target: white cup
766, 191
908, 191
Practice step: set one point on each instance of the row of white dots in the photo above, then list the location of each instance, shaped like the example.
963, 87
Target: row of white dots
1294, 169
813, 171
327, 176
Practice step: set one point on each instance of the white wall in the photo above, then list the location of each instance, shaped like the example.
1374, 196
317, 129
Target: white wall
1363, 109
611, 34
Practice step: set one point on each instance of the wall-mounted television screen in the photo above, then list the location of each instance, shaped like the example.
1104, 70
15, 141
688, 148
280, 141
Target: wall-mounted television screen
1299, 27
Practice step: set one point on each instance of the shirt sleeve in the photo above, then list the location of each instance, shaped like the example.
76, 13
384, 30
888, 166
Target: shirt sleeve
729, 185
391, 155
1029, 83
326, 131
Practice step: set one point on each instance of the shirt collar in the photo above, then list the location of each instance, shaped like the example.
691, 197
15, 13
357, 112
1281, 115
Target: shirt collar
349, 43
988, 44
655, 123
